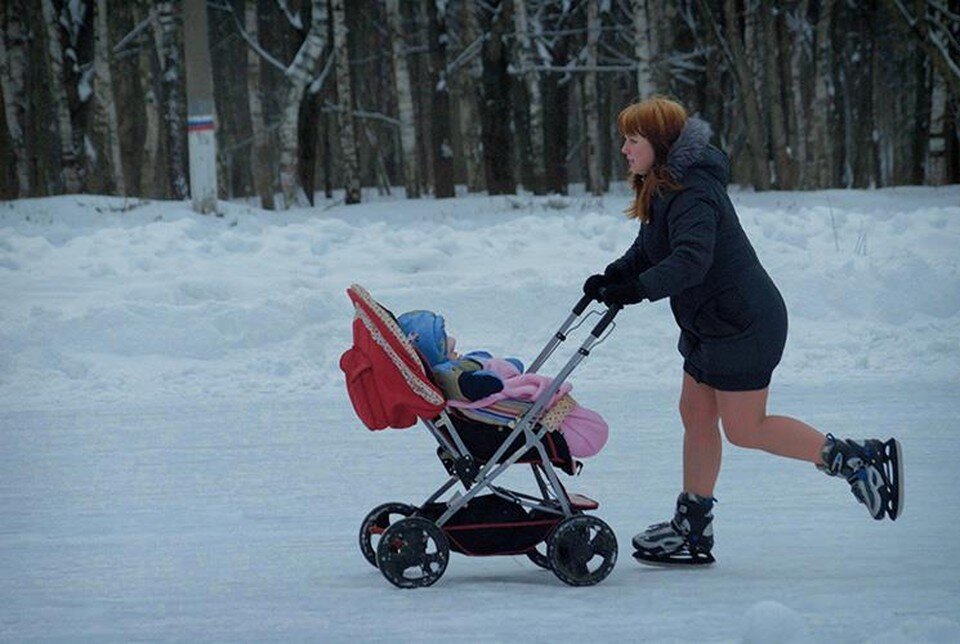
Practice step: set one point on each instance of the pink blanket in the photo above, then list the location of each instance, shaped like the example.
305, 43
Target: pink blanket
583, 429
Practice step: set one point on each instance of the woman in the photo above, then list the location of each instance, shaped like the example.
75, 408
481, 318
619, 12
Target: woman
733, 326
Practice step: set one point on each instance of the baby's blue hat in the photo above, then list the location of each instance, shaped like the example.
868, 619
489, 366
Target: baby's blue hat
425, 330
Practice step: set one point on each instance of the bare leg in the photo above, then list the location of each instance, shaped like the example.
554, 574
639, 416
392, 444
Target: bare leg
702, 446
746, 424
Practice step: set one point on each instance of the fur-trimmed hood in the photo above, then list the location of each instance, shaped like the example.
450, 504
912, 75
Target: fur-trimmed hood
692, 149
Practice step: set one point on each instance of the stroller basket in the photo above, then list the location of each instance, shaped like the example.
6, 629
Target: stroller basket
390, 386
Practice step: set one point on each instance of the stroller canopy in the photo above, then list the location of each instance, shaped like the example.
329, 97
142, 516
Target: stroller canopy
386, 379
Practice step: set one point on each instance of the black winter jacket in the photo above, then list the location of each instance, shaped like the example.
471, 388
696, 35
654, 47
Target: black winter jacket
693, 250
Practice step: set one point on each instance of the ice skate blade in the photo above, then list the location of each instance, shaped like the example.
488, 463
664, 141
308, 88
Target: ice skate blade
897, 477
655, 561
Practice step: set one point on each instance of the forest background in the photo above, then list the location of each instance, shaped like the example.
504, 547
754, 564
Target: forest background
494, 95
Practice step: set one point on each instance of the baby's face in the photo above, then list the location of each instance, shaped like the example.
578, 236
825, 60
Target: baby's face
451, 345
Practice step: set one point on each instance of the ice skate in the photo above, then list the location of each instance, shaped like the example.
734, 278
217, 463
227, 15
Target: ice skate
874, 470
686, 540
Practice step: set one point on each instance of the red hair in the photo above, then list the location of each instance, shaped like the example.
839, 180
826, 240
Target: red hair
659, 120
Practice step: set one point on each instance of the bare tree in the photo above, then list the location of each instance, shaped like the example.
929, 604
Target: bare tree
440, 120
168, 36
401, 78
300, 73
12, 76
591, 103
69, 159
774, 98
822, 112
641, 49
468, 90
105, 108
260, 166
525, 56
348, 137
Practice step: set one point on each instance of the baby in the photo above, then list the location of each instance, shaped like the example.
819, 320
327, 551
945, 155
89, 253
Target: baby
477, 382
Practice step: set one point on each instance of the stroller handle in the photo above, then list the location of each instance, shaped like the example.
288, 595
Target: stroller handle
560, 335
582, 305
606, 320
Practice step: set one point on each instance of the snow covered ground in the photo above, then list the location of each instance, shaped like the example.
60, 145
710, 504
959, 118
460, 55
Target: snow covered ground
178, 459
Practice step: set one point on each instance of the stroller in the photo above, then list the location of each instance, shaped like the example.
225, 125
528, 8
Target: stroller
390, 386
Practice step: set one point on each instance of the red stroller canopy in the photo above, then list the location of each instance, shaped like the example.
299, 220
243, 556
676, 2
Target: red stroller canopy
386, 379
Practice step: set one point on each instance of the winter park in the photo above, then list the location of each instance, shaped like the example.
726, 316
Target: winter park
236, 237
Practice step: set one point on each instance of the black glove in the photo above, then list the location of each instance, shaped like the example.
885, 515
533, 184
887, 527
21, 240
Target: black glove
594, 284
622, 294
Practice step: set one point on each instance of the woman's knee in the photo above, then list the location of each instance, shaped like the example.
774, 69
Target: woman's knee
741, 434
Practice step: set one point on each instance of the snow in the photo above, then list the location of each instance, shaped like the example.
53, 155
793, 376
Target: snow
178, 459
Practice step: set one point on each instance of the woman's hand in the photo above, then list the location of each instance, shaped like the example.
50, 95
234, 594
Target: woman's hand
594, 284
622, 294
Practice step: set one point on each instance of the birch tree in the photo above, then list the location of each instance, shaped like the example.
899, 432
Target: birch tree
773, 86
12, 71
525, 55
105, 107
468, 87
260, 167
69, 159
401, 79
822, 111
169, 52
443, 186
298, 75
348, 137
591, 104
641, 50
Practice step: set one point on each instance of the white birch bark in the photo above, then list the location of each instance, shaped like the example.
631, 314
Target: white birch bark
174, 109
12, 70
299, 75
525, 59
69, 159
641, 50
401, 78
260, 156
105, 109
348, 137
591, 105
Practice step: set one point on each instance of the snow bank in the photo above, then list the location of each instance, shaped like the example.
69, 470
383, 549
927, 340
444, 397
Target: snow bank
106, 299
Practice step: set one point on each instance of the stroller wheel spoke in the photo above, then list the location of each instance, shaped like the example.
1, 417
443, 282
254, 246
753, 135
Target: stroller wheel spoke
413, 553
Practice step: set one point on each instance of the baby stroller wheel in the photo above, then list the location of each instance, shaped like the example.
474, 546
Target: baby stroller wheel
582, 550
375, 524
537, 557
413, 553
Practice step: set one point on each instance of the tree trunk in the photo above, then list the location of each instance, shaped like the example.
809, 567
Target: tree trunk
778, 127
798, 140
497, 138
748, 98
12, 76
348, 137
260, 167
641, 50
401, 79
105, 106
821, 131
556, 94
174, 108
591, 105
69, 159
440, 131
526, 58
298, 75
469, 80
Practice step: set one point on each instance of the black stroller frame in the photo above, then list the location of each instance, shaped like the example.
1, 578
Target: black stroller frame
414, 542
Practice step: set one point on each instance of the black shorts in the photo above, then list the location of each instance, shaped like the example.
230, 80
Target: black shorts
729, 382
